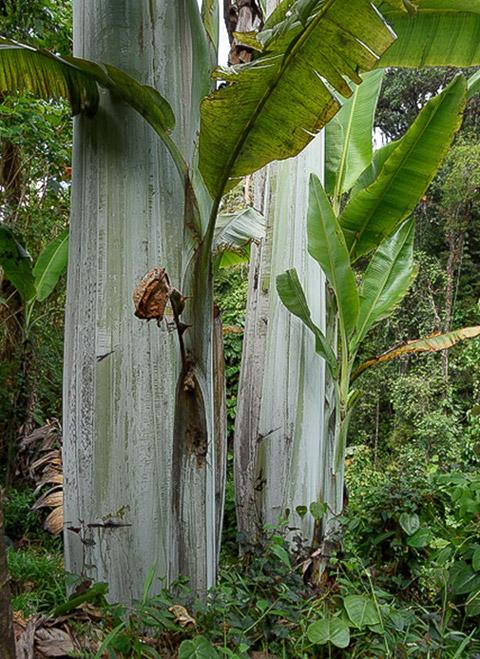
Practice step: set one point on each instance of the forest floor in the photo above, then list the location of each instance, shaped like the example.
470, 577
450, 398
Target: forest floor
405, 582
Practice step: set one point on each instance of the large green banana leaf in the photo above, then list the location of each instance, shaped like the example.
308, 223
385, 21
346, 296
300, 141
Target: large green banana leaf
373, 213
369, 175
25, 68
50, 266
291, 294
432, 343
386, 280
326, 244
441, 33
16, 264
348, 137
271, 108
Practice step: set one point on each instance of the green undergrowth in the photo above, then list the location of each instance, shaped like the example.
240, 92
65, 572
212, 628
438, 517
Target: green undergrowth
37, 579
35, 561
404, 583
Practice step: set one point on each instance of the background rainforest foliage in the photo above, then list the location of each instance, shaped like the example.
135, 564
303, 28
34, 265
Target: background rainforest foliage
406, 580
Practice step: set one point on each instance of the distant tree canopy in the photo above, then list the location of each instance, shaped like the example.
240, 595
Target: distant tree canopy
405, 92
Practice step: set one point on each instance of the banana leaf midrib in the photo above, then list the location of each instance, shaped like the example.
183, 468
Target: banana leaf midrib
343, 160
361, 329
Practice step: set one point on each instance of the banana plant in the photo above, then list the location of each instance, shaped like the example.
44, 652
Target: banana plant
376, 218
34, 282
269, 109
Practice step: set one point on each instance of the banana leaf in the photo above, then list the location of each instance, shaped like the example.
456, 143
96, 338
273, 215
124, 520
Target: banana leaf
291, 294
271, 108
25, 68
432, 343
374, 213
16, 264
327, 246
348, 137
237, 229
368, 176
386, 281
233, 234
50, 266
441, 33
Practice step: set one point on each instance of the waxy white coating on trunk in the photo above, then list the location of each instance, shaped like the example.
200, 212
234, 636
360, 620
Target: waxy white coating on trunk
121, 373
280, 416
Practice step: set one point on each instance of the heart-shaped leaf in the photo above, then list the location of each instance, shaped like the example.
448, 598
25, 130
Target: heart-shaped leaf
333, 630
409, 523
361, 611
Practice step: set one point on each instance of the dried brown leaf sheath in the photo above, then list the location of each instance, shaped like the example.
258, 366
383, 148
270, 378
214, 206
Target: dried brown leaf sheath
151, 295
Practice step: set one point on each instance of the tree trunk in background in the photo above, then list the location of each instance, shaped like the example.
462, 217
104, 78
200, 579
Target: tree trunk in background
7, 640
11, 318
280, 414
139, 491
456, 241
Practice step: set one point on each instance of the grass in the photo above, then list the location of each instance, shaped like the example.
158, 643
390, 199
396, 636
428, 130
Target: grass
37, 579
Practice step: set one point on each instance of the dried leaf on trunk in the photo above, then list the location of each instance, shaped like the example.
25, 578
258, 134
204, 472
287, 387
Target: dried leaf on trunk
151, 295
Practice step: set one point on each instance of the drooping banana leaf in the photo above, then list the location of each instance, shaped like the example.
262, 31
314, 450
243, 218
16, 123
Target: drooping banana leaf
373, 213
348, 137
326, 244
16, 264
25, 68
50, 266
46, 75
441, 33
433, 343
271, 108
233, 235
386, 281
291, 294
237, 229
